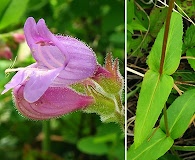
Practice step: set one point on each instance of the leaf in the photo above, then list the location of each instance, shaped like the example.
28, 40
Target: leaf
184, 79
112, 16
184, 75
117, 38
13, 13
179, 114
189, 39
169, 156
137, 20
151, 149
89, 145
3, 6
191, 52
154, 93
157, 18
173, 50
138, 45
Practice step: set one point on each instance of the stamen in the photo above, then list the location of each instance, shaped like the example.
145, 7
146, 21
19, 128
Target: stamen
25, 68
13, 69
10, 67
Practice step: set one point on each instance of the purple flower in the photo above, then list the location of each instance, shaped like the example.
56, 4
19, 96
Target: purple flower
60, 62
55, 102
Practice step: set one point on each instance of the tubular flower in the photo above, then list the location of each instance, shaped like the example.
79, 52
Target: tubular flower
60, 62
55, 102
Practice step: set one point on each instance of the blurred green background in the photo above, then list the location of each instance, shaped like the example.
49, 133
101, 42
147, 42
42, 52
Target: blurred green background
76, 136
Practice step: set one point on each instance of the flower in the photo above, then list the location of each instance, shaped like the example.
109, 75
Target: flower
109, 77
107, 92
18, 37
60, 62
56, 101
5, 52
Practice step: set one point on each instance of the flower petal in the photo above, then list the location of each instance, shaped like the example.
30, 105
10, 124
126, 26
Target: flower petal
82, 61
30, 31
39, 83
52, 51
53, 103
19, 77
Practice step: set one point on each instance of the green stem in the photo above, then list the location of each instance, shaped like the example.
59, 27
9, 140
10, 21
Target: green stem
184, 148
46, 135
132, 93
164, 46
166, 121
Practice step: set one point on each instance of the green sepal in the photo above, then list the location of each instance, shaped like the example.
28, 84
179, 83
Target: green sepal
105, 106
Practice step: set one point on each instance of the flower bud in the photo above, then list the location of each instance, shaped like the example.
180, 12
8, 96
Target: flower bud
5, 52
109, 77
18, 37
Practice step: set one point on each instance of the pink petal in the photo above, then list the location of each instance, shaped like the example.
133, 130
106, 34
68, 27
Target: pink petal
39, 83
53, 103
52, 51
31, 32
82, 61
19, 77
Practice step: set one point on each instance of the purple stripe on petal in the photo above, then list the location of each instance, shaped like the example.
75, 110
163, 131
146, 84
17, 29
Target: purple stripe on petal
52, 51
30, 31
41, 91
53, 103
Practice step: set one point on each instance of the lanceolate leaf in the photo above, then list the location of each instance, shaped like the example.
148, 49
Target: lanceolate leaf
179, 114
154, 93
13, 13
189, 39
173, 50
191, 52
137, 19
152, 148
157, 17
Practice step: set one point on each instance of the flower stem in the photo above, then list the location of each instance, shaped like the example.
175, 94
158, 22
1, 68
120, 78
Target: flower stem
164, 46
184, 148
166, 121
46, 135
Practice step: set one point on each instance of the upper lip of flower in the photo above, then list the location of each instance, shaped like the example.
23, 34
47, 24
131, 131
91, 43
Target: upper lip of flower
60, 61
